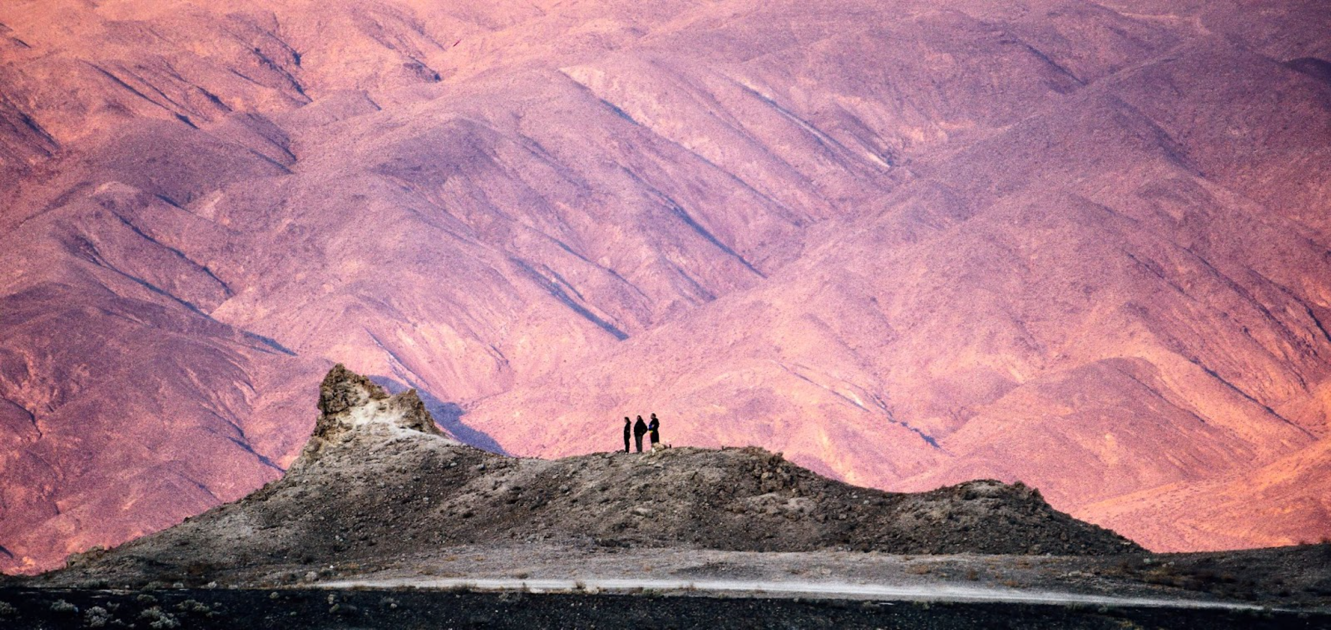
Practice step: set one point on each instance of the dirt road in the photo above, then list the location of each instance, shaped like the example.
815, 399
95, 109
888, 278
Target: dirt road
803, 589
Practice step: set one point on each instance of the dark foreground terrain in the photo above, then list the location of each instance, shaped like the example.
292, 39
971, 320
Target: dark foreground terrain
296, 609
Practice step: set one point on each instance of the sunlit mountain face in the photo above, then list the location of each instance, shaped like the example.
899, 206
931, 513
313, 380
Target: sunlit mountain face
907, 244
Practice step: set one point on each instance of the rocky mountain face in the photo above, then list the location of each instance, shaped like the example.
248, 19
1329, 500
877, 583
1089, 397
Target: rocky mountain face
375, 482
904, 243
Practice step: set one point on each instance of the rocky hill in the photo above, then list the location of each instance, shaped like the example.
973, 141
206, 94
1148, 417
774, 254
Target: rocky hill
906, 243
378, 480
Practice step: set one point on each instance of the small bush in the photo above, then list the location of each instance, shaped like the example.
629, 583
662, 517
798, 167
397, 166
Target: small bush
193, 606
96, 617
159, 619
61, 605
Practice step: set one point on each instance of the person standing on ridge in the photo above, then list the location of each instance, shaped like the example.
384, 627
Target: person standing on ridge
654, 432
639, 428
627, 429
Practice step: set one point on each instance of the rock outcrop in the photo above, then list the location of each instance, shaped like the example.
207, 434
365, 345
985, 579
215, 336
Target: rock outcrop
376, 481
350, 404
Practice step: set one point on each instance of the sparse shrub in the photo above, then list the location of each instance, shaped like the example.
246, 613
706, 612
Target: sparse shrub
159, 619
61, 605
96, 617
193, 606
7, 609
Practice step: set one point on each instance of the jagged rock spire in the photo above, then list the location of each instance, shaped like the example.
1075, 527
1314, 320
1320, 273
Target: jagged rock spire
350, 403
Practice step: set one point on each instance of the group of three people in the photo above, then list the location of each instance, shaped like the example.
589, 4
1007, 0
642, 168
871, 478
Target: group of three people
638, 429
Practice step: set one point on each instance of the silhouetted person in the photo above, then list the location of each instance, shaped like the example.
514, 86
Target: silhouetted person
627, 429
639, 428
654, 431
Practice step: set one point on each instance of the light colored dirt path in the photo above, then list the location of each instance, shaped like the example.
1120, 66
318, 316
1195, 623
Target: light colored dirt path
827, 590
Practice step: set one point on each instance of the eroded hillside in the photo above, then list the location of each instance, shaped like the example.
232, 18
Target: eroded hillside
377, 480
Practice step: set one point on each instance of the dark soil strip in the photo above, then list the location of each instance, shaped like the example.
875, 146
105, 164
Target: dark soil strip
300, 609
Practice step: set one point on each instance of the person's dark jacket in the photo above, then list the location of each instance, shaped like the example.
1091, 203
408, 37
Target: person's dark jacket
639, 428
627, 432
653, 430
